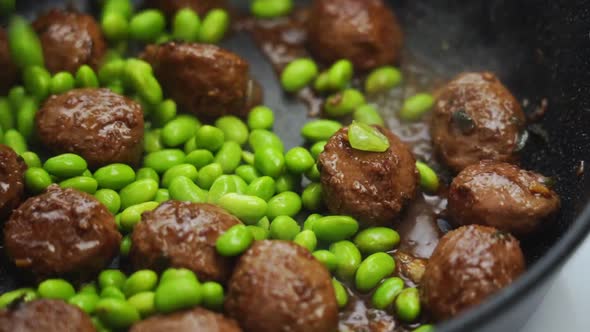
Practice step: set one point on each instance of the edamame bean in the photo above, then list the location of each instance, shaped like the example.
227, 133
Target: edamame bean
327, 258
111, 292
348, 257
208, 174
286, 203
320, 130
407, 305
212, 295
178, 131
185, 25
89, 288
428, 178
234, 241
269, 161
248, 173
140, 281
37, 81
299, 160
386, 293
312, 197
125, 246
26, 294
114, 26
288, 182
335, 228
152, 141
190, 145
6, 117
56, 289
343, 103
248, 209
173, 172
368, 114
146, 173
147, 25
425, 328
162, 160
184, 189
209, 138
317, 148
271, 8
124, 7
341, 293
340, 74
262, 139
306, 239
62, 82
179, 294
284, 228
162, 195
248, 157
310, 221
16, 141
116, 313
25, 46
214, 27
111, 277
110, 199
114, 176
144, 303
66, 165
261, 117
138, 192
372, 270
258, 233
367, 138
322, 82
200, 158
31, 159
416, 106
146, 85
263, 187
264, 223
86, 302
165, 112
112, 71
229, 156
298, 74
226, 184
376, 239
132, 215
233, 128
86, 77
37, 179
82, 183
25, 118
175, 274
382, 79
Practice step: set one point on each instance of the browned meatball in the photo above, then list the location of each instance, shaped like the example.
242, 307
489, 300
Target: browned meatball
279, 286
183, 235
9, 71
46, 316
370, 186
170, 7
476, 118
204, 79
197, 319
62, 232
99, 125
69, 40
364, 31
468, 265
501, 195
12, 187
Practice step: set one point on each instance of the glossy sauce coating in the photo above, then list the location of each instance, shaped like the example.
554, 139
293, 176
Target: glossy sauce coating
279, 286
46, 316
9, 73
99, 125
197, 319
62, 232
183, 235
12, 187
170, 7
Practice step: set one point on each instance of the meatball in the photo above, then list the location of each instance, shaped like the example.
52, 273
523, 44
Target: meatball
279, 286
476, 118
69, 40
62, 232
372, 187
46, 316
501, 195
9, 73
12, 187
170, 7
183, 235
468, 265
99, 125
204, 79
364, 31
197, 319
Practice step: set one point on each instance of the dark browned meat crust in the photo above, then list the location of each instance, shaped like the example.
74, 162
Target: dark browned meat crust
197, 319
46, 316
12, 186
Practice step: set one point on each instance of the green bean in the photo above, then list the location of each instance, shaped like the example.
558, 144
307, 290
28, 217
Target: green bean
178, 131
37, 81
263, 187
284, 228
152, 141
25, 46
428, 178
310, 221
234, 241
271, 8
132, 215
145, 84
376, 239
112, 293
6, 117
312, 197
140, 281
172, 274
62, 82
16, 96
287, 203
416, 106
425, 328
208, 174
248, 173
212, 295
386, 293
372, 270
125, 246
341, 293
88, 288
111, 71
25, 118
348, 258
184, 189
248, 209
178, 294
317, 148
368, 114
165, 112
382, 79
66, 165
229, 156
146, 173
226, 184
200, 158
123, 7
264, 223
82, 183
248, 157
214, 26
16, 141
162, 160
327, 258
407, 305
269, 161
306, 239
56, 289
86, 77
116, 313
298, 160
138, 192
288, 182
86, 302
112, 277
26, 294
233, 128
343, 103
340, 74
322, 82
147, 25
320, 130
186, 170
335, 228
185, 25
262, 139
110, 199
190, 145
298, 74
114, 176
114, 26
367, 138
261, 117
144, 303
258, 233
162, 195
209, 138
31, 159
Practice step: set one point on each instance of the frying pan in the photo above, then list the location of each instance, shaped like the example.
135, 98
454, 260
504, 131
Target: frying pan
541, 50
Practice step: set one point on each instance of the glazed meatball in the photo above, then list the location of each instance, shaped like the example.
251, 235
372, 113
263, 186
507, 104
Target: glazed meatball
62, 232
370, 186
204, 79
501, 195
9, 73
46, 316
468, 265
99, 125
364, 31
279, 286
69, 40
475, 118
170, 7
183, 235
12, 187
197, 319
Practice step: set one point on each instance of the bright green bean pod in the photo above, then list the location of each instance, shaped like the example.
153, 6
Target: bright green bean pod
112, 277
306, 239
184, 189
62, 82
208, 174
31, 159
368, 114
416, 106
172, 274
214, 26
25, 46
341, 293
37, 81
165, 112
310, 221
348, 257
261, 117
376, 239
299, 160
178, 131
186, 170
327, 258
213, 295
185, 25
382, 79
115, 26
407, 305
86, 77
162, 160
200, 158
226, 184
145, 173
372, 270
144, 303
114, 176
248, 209
56, 289
340, 74
271, 8
111, 71
335, 228
386, 293
269, 161
234, 241
110, 199
82, 183
125, 246
162, 195
115, 313
152, 141
112, 293
177, 295
248, 173
312, 197
284, 228
234, 129
132, 215
37, 180
147, 25
66, 165
138, 192
298, 74
343, 103
209, 138
262, 139
140, 281
428, 178
123, 7
25, 118
229, 156
86, 302
284, 204
320, 130
263, 187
